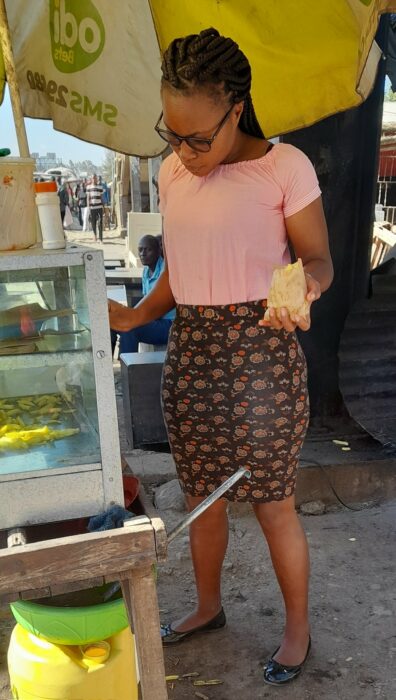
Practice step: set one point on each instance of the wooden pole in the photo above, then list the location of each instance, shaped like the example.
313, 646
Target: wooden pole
140, 597
5, 43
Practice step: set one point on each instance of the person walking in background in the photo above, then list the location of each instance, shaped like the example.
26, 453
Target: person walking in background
81, 196
95, 205
105, 194
106, 203
72, 200
86, 214
234, 385
63, 195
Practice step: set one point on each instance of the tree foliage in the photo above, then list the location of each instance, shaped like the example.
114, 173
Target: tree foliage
389, 95
108, 165
84, 167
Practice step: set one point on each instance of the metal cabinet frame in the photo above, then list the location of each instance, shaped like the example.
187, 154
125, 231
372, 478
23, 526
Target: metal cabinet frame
28, 498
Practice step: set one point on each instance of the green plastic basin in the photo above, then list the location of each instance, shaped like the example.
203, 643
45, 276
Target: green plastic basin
68, 625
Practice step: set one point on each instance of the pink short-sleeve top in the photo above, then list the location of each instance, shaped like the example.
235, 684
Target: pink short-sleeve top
224, 233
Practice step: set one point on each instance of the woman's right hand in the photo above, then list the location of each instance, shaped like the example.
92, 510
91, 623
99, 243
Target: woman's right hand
122, 318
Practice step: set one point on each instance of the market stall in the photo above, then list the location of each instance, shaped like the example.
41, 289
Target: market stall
59, 426
60, 459
59, 453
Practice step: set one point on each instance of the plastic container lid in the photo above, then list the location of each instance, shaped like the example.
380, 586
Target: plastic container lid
96, 653
45, 187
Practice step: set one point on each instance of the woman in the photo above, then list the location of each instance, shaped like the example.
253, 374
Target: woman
81, 196
234, 385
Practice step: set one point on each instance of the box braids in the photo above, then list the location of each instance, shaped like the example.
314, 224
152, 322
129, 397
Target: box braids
213, 61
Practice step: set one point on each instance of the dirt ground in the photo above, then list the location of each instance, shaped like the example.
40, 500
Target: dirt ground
353, 608
353, 604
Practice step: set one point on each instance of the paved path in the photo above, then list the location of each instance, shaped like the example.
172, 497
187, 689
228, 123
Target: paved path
113, 246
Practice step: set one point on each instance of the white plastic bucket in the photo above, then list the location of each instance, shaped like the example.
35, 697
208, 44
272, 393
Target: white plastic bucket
50, 220
17, 205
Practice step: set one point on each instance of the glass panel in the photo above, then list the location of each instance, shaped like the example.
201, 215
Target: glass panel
48, 409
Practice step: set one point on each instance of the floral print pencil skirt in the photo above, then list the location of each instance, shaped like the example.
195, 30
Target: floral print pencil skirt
234, 395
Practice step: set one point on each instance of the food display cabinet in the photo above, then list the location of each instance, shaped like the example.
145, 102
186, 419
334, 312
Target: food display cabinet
59, 446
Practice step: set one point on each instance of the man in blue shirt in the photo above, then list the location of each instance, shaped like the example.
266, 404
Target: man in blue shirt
105, 193
156, 332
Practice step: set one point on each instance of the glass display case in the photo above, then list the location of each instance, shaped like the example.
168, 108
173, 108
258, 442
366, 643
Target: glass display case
59, 448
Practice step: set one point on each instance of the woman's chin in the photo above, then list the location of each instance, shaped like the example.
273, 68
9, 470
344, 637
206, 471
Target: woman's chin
200, 171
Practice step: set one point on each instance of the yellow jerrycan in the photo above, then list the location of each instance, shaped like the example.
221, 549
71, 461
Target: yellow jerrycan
40, 670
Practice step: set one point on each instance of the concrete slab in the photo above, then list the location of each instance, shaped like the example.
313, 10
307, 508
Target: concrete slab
151, 467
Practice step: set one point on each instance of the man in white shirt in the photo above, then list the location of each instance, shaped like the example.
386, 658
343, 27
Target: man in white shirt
95, 206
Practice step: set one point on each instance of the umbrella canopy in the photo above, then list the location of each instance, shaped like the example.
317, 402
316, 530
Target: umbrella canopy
93, 67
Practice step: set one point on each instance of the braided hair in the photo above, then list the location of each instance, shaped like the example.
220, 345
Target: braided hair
216, 62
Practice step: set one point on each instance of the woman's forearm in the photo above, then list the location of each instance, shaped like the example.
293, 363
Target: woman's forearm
321, 270
155, 304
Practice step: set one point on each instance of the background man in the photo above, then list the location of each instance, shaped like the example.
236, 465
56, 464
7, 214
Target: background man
63, 197
95, 206
81, 196
156, 332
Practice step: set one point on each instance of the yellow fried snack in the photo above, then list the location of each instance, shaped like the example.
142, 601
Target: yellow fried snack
22, 439
17, 432
9, 428
288, 290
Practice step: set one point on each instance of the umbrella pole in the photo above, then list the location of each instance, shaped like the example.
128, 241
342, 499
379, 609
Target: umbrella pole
5, 43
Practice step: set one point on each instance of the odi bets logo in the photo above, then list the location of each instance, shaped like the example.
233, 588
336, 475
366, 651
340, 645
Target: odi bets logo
77, 34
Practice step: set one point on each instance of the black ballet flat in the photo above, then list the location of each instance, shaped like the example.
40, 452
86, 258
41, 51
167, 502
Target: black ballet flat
170, 636
276, 673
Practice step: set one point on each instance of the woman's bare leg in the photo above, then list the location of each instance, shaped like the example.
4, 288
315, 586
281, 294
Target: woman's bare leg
208, 541
289, 553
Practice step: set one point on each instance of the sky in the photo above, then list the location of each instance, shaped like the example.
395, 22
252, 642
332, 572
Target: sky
42, 138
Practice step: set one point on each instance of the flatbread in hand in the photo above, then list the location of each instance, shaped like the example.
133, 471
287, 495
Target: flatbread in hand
288, 290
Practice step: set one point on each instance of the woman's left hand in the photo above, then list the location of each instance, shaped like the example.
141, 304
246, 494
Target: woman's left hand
280, 318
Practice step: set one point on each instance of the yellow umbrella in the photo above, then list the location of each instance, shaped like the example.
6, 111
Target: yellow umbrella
93, 67
2, 73
309, 58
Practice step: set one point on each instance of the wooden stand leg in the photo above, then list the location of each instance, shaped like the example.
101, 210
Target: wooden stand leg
140, 596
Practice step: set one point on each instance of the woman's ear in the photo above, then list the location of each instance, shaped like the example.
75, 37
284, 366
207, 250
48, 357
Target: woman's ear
238, 111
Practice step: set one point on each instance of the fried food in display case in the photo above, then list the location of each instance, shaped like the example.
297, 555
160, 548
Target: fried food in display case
58, 425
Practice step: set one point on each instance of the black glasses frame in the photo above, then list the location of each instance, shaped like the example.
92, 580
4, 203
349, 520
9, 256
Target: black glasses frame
194, 142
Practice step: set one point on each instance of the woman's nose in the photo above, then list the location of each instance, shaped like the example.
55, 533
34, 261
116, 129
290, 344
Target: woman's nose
186, 152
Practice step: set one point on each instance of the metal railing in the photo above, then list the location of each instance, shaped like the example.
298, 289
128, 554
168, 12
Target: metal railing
386, 180
390, 215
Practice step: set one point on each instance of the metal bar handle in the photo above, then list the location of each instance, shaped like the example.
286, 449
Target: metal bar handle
208, 502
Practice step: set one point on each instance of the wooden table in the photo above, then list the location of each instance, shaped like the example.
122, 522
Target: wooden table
131, 278
76, 562
125, 275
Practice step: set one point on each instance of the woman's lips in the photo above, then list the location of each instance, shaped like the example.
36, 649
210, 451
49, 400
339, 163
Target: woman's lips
193, 168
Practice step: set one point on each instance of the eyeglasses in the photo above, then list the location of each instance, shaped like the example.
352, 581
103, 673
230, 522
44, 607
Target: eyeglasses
197, 144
